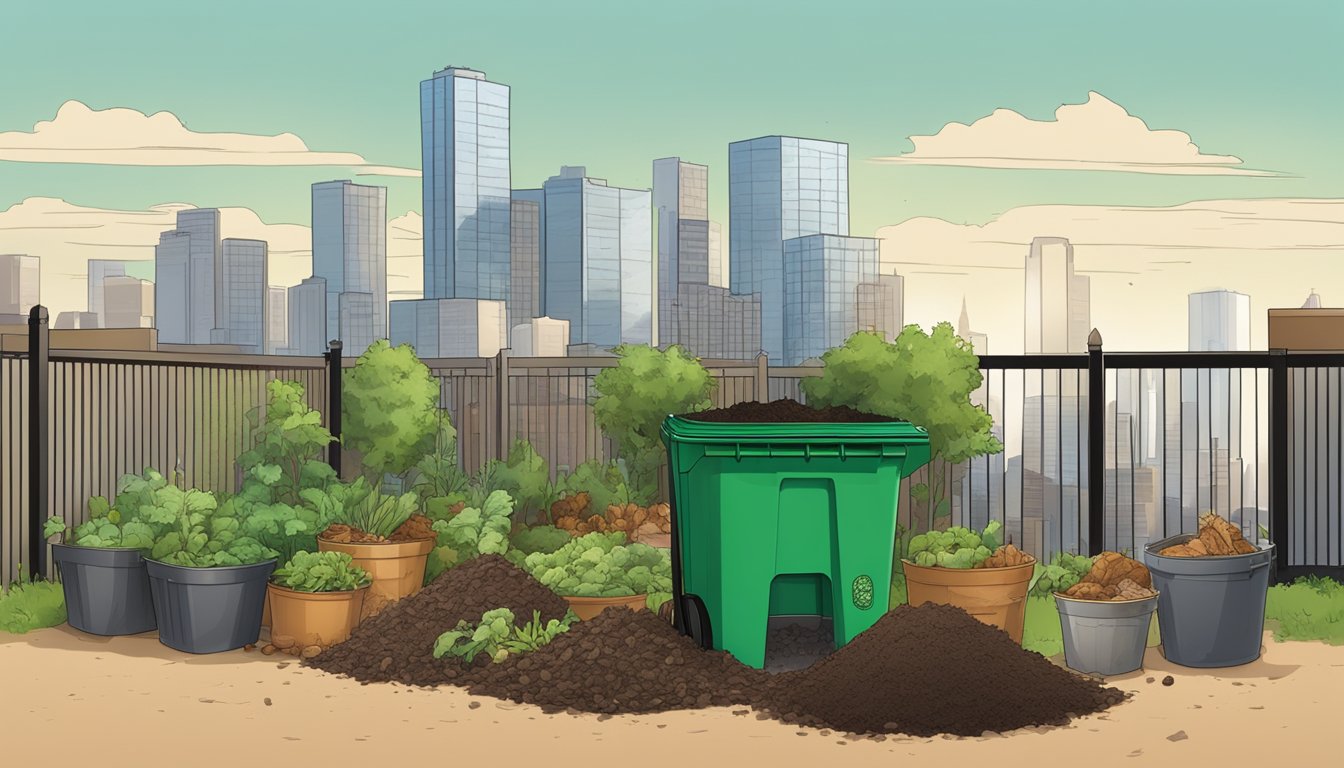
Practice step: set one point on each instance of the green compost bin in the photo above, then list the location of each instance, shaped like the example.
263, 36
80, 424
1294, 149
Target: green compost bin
783, 519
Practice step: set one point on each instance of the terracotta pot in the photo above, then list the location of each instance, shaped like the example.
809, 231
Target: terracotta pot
588, 607
314, 618
996, 596
266, 611
397, 568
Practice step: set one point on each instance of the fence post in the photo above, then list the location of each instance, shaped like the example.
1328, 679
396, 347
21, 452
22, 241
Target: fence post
333, 357
1278, 457
1096, 445
39, 439
762, 378
503, 441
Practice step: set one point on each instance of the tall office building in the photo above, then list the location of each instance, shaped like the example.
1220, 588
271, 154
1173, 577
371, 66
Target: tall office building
525, 259
822, 279
128, 302
718, 270
173, 288
450, 327
205, 271
277, 319
20, 287
307, 332
350, 254
464, 135
880, 305
598, 259
244, 295
780, 188
99, 271
1058, 302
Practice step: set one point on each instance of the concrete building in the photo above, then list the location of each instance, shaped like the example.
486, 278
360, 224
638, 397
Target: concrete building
75, 320
540, 337
350, 254
822, 275
717, 325
781, 188
307, 332
20, 286
880, 306
598, 266
128, 302
172, 280
99, 271
450, 327
244, 295
1058, 302
277, 319
718, 268
464, 134
205, 272
525, 258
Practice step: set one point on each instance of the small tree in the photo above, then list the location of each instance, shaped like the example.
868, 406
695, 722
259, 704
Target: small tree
925, 378
391, 409
634, 397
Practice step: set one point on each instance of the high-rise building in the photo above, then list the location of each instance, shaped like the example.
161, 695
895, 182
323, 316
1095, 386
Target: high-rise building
1058, 302
525, 259
979, 341
205, 271
718, 272
822, 275
598, 268
173, 288
307, 330
450, 327
350, 254
713, 323
20, 286
277, 319
681, 203
880, 305
128, 302
780, 188
99, 271
240, 315
464, 140
1220, 321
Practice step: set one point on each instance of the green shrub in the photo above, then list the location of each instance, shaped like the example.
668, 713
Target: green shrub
321, 572
602, 565
390, 409
27, 605
1311, 608
602, 481
474, 531
543, 538
525, 476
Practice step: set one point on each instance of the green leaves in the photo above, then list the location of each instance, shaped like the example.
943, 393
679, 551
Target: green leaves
1063, 572
525, 476
472, 532
956, 547
368, 509
321, 572
498, 636
602, 565
390, 408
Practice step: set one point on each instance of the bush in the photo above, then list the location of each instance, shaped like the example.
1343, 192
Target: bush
474, 531
390, 409
543, 538
29, 605
603, 481
1310, 608
525, 476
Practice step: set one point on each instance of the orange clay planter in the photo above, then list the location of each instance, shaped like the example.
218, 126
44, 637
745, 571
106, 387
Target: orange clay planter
995, 596
588, 607
396, 567
314, 618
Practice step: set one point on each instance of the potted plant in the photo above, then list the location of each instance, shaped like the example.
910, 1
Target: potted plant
381, 533
600, 570
973, 572
1105, 617
316, 600
207, 578
101, 560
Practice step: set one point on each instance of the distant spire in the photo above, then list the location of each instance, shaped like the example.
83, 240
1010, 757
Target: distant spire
1313, 301
964, 324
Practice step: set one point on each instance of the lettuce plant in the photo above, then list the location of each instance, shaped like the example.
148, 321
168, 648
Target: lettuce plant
956, 547
602, 565
143, 509
497, 635
203, 536
321, 572
472, 532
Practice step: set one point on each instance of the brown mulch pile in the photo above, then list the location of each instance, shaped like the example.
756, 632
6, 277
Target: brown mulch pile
397, 645
784, 411
415, 528
934, 669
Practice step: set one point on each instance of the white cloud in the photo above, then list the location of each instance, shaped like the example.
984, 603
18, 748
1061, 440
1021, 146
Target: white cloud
121, 136
1143, 263
65, 236
1098, 135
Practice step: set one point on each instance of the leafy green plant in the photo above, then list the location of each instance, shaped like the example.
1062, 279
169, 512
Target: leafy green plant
143, 509
1063, 572
602, 481
203, 536
636, 395
1311, 608
497, 635
542, 538
956, 547
525, 476
602, 565
321, 572
367, 508
473, 531
437, 474
925, 378
27, 605
288, 444
390, 409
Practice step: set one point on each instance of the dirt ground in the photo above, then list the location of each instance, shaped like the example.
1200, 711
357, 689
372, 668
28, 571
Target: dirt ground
72, 699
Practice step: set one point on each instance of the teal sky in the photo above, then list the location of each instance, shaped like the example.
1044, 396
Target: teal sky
613, 85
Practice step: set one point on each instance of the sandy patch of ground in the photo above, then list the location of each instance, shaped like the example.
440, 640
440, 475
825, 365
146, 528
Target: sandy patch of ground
71, 699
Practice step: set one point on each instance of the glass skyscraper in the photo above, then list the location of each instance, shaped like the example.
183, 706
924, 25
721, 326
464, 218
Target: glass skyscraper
204, 271
822, 277
598, 271
307, 330
244, 295
780, 188
525, 260
681, 201
464, 135
350, 254
173, 288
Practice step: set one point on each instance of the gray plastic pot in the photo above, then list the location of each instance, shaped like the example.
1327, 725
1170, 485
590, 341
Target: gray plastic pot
1105, 637
106, 590
1211, 610
208, 610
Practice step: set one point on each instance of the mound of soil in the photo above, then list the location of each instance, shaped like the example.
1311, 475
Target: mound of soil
398, 643
783, 412
797, 646
623, 662
934, 669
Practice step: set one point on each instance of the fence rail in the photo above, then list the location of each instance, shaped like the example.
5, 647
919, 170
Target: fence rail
1255, 436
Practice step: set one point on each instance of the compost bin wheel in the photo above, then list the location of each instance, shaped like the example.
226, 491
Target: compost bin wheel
696, 620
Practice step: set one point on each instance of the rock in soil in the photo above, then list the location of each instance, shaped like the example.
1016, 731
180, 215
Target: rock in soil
283, 642
405, 631
784, 411
311, 651
1168, 680
934, 669
268, 649
623, 662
